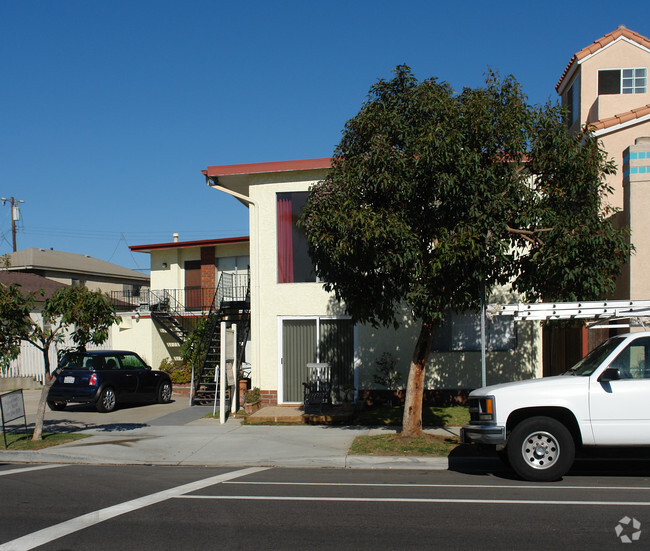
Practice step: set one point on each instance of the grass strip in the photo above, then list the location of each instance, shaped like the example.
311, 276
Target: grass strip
22, 441
433, 445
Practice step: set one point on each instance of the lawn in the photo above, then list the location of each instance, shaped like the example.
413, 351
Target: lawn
22, 441
432, 416
392, 444
431, 445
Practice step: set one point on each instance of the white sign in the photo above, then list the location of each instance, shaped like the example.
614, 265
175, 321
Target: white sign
12, 406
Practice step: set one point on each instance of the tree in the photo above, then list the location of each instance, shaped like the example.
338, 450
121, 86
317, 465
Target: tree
434, 194
85, 315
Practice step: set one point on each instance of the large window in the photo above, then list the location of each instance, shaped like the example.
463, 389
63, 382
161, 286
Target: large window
623, 81
462, 332
294, 264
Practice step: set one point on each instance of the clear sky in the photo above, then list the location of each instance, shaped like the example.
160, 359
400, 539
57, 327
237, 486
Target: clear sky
110, 110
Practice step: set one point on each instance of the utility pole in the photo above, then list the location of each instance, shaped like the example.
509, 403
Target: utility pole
15, 215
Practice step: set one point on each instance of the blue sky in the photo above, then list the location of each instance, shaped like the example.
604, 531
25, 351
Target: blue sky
110, 110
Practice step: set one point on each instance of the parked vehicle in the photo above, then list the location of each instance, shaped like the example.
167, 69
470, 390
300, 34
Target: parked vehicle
536, 425
105, 378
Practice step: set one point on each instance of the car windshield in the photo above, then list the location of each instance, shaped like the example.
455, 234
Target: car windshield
591, 361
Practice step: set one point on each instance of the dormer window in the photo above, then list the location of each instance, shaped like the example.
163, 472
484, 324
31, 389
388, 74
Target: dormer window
623, 81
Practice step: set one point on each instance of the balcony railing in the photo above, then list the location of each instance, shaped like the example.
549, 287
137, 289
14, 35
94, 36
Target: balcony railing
233, 288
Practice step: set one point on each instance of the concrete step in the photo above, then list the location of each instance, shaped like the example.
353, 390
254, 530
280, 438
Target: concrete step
295, 416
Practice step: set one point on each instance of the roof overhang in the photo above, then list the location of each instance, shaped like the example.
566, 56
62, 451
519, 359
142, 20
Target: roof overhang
266, 168
189, 244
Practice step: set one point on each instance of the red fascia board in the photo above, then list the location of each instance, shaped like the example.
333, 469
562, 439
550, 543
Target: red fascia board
261, 168
187, 244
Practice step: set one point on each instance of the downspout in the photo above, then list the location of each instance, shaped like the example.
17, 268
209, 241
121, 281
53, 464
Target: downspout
255, 280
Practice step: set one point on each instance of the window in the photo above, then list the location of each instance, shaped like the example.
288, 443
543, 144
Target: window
131, 290
573, 102
294, 264
623, 81
131, 361
462, 332
634, 361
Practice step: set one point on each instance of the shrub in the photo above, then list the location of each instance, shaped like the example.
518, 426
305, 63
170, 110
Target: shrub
179, 372
252, 395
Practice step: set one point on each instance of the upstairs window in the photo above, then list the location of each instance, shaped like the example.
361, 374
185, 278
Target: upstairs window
623, 81
573, 102
294, 263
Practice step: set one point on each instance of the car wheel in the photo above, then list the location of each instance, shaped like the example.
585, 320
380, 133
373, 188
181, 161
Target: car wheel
541, 449
165, 392
107, 400
56, 406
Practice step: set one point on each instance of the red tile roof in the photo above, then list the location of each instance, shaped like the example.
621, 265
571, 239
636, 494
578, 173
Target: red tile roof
601, 43
622, 117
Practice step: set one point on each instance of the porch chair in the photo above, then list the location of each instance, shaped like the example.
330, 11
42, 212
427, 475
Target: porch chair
318, 388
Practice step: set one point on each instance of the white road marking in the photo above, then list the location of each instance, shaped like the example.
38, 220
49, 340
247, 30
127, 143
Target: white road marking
47, 535
421, 500
27, 469
472, 486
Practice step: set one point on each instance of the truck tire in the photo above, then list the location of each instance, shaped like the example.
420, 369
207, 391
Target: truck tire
541, 449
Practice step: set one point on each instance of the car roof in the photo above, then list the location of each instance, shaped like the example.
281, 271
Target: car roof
103, 352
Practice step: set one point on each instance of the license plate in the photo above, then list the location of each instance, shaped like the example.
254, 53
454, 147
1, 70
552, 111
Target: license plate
68, 380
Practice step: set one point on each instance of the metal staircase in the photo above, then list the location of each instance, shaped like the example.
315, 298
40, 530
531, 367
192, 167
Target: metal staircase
231, 303
166, 313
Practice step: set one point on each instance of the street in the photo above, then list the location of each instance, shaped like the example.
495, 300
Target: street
156, 507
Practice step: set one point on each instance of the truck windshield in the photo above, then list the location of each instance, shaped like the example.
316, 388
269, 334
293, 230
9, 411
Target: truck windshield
591, 361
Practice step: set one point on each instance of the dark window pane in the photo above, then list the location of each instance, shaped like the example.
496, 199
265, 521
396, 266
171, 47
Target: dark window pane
609, 82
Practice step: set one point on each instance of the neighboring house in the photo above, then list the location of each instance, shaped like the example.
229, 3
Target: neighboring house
30, 362
295, 322
605, 85
35, 269
31, 283
77, 269
189, 281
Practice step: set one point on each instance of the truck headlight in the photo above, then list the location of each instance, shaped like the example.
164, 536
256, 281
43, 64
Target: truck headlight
486, 408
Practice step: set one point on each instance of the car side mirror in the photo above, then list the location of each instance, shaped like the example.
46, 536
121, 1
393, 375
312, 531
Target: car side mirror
610, 374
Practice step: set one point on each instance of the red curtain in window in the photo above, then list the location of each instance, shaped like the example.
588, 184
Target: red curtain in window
285, 239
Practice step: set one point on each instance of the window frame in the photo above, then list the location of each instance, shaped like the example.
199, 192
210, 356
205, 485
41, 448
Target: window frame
605, 86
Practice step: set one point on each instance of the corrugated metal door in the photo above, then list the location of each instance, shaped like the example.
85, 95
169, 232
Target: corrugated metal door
298, 349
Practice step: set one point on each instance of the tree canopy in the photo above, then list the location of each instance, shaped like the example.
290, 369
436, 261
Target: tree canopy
433, 194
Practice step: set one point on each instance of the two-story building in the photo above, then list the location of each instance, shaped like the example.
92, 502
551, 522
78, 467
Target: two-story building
293, 321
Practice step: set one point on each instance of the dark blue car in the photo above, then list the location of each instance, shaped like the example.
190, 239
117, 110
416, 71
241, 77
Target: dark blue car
105, 378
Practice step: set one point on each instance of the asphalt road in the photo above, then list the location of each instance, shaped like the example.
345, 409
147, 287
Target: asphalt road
139, 507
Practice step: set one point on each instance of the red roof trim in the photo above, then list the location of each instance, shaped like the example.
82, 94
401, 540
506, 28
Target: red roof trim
187, 244
601, 43
261, 168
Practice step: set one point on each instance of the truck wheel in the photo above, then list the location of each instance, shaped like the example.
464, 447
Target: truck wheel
541, 449
502, 454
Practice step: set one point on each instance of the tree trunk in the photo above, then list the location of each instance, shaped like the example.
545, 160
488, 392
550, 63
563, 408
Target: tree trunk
412, 421
40, 412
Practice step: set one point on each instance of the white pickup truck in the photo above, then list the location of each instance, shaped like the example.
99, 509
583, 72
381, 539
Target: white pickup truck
536, 425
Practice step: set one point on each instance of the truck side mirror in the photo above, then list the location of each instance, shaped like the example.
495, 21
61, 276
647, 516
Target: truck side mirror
610, 374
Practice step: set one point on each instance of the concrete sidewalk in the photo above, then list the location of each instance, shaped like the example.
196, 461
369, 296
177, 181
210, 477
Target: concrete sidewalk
176, 434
